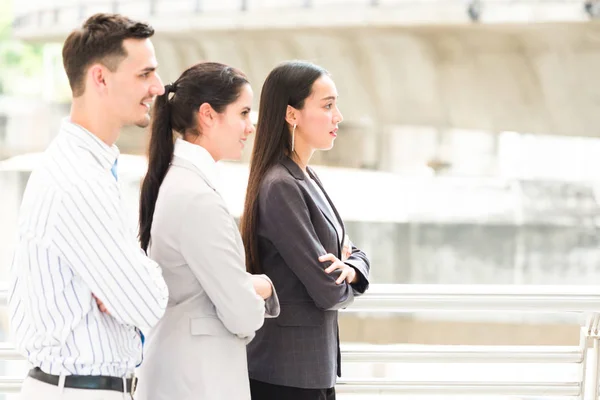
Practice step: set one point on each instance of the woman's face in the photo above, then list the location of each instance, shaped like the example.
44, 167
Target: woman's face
317, 122
234, 126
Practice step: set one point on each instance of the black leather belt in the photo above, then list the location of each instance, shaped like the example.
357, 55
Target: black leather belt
87, 381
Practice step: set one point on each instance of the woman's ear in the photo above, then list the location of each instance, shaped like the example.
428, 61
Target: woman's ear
291, 115
206, 115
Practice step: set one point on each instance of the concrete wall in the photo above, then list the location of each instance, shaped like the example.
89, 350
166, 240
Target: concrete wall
525, 66
537, 79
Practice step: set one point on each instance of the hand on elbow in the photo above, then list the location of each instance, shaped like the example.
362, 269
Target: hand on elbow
347, 273
101, 305
262, 287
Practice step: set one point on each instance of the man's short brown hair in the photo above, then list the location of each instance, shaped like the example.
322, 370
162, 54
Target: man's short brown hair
100, 39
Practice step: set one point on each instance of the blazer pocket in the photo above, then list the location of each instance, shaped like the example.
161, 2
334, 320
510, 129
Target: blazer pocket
300, 315
208, 326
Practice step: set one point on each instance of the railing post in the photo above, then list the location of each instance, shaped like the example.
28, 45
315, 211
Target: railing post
593, 383
583, 347
590, 374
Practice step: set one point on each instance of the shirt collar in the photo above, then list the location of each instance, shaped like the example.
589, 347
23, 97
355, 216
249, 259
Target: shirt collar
105, 155
199, 157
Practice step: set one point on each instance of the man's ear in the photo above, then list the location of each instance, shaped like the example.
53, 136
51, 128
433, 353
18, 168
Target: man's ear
96, 76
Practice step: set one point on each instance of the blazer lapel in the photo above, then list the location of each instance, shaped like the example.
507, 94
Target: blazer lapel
326, 209
297, 173
180, 162
322, 206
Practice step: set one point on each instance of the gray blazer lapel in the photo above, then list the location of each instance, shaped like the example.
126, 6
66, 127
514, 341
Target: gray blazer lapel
326, 209
297, 173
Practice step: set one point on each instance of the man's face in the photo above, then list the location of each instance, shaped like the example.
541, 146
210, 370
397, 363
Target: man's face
132, 87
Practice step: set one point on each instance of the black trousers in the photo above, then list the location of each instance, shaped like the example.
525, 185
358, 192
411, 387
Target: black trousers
266, 391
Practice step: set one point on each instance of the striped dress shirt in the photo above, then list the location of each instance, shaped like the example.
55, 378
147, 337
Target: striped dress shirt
74, 241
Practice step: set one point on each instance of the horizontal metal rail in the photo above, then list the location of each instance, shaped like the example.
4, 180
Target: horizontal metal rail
381, 386
8, 352
529, 298
461, 354
386, 298
10, 384
430, 354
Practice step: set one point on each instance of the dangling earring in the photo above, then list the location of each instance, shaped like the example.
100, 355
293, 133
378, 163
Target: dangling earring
293, 131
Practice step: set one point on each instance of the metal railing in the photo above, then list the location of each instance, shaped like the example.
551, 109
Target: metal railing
151, 8
53, 16
527, 298
460, 354
582, 300
388, 387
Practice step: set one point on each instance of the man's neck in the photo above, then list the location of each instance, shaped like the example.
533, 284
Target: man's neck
96, 124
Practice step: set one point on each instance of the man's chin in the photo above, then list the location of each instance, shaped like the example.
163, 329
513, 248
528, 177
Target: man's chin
144, 122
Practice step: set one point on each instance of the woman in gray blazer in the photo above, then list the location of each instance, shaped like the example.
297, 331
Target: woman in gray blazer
293, 233
198, 349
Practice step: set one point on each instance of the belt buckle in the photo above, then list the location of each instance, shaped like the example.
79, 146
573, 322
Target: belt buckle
134, 382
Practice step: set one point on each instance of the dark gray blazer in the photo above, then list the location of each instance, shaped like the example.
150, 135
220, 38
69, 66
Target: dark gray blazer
300, 348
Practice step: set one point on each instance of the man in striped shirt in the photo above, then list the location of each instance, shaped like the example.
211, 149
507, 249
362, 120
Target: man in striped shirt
82, 291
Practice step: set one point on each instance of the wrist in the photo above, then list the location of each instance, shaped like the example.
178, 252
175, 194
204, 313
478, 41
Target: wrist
355, 277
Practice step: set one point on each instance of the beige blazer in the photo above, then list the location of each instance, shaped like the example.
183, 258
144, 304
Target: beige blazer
198, 349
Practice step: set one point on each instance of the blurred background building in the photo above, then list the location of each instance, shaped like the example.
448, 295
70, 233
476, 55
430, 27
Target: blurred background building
469, 152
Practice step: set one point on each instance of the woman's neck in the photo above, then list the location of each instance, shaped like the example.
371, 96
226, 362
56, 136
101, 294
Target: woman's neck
302, 156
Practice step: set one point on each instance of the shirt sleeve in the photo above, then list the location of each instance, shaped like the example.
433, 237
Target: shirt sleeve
92, 235
272, 307
360, 262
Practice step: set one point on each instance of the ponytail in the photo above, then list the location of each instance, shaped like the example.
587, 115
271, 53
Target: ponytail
160, 154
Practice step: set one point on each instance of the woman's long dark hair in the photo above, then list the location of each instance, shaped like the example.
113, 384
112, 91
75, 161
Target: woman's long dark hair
216, 84
289, 83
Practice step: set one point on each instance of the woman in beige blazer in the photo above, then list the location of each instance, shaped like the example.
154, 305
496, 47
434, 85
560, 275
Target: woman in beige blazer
198, 349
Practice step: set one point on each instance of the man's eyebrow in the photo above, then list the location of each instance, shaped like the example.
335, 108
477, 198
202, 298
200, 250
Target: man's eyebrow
329, 98
148, 69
